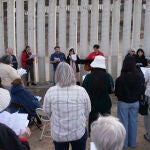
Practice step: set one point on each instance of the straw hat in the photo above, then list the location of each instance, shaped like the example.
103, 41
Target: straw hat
98, 62
4, 99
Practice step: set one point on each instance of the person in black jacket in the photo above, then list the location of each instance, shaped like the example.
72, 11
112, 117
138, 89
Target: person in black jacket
141, 61
129, 88
72, 59
10, 141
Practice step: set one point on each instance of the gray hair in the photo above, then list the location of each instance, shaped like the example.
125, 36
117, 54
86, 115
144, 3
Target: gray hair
108, 133
6, 59
64, 75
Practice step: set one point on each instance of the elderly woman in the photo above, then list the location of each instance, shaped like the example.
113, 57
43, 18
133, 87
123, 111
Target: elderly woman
7, 72
108, 133
98, 85
68, 106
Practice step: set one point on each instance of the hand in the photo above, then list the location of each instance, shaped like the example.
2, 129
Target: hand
25, 134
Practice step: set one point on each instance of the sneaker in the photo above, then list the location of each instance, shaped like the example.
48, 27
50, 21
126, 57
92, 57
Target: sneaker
33, 84
146, 137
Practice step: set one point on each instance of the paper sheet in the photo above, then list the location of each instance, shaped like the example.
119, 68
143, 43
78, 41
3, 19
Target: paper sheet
74, 57
16, 121
92, 146
33, 56
21, 71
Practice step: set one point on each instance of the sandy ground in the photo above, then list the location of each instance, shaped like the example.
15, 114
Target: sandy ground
47, 144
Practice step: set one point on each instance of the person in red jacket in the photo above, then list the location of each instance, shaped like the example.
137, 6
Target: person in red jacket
91, 56
27, 63
95, 53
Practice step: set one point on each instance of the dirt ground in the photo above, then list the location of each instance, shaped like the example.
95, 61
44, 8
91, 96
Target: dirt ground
47, 144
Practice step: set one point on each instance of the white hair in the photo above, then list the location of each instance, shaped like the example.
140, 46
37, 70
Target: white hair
108, 133
64, 75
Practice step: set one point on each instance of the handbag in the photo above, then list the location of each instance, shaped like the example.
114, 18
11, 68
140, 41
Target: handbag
143, 106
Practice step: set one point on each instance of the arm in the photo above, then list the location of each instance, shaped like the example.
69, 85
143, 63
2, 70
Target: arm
87, 103
46, 104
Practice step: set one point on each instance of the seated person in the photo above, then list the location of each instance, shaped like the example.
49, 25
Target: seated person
8, 139
108, 133
23, 100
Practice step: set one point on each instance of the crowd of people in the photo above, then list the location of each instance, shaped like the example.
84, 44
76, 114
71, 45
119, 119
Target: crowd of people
70, 103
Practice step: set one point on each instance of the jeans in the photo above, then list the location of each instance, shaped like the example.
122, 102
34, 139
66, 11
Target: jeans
76, 145
30, 70
128, 115
147, 120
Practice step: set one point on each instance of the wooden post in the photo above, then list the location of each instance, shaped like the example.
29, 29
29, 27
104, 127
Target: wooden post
19, 28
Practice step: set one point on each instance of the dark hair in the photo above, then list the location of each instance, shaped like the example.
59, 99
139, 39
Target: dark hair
97, 82
6, 59
56, 47
140, 50
129, 65
96, 46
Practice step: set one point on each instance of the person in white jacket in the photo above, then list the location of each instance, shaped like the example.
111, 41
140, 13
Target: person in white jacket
68, 105
7, 73
147, 96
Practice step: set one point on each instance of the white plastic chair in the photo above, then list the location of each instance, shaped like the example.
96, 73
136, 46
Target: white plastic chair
44, 119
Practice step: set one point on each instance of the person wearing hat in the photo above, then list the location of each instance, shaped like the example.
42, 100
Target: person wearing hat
72, 59
98, 85
8, 138
7, 72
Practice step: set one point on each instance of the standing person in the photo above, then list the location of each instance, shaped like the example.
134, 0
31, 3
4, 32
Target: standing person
68, 106
72, 59
128, 88
91, 56
27, 63
131, 52
7, 72
141, 61
147, 96
56, 58
8, 138
98, 85
9, 51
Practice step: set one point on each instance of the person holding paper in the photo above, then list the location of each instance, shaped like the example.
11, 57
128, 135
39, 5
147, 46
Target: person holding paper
56, 58
8, 138
23, 101
72, 61
27, 63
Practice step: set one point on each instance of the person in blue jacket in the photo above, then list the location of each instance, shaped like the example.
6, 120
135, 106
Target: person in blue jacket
23, 100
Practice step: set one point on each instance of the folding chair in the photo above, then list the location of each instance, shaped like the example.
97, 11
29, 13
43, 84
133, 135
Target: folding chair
45, 119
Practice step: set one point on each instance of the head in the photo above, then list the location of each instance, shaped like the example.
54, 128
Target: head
4, 99
27, 49
140, 52
64, 75
129, 65
98, 62
9, 51
17, 81
108, 133
6, 59
71, 51
57, 49
96, 48
132, 51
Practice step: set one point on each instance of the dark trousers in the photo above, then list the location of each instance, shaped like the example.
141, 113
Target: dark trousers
29, 69
76, 145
